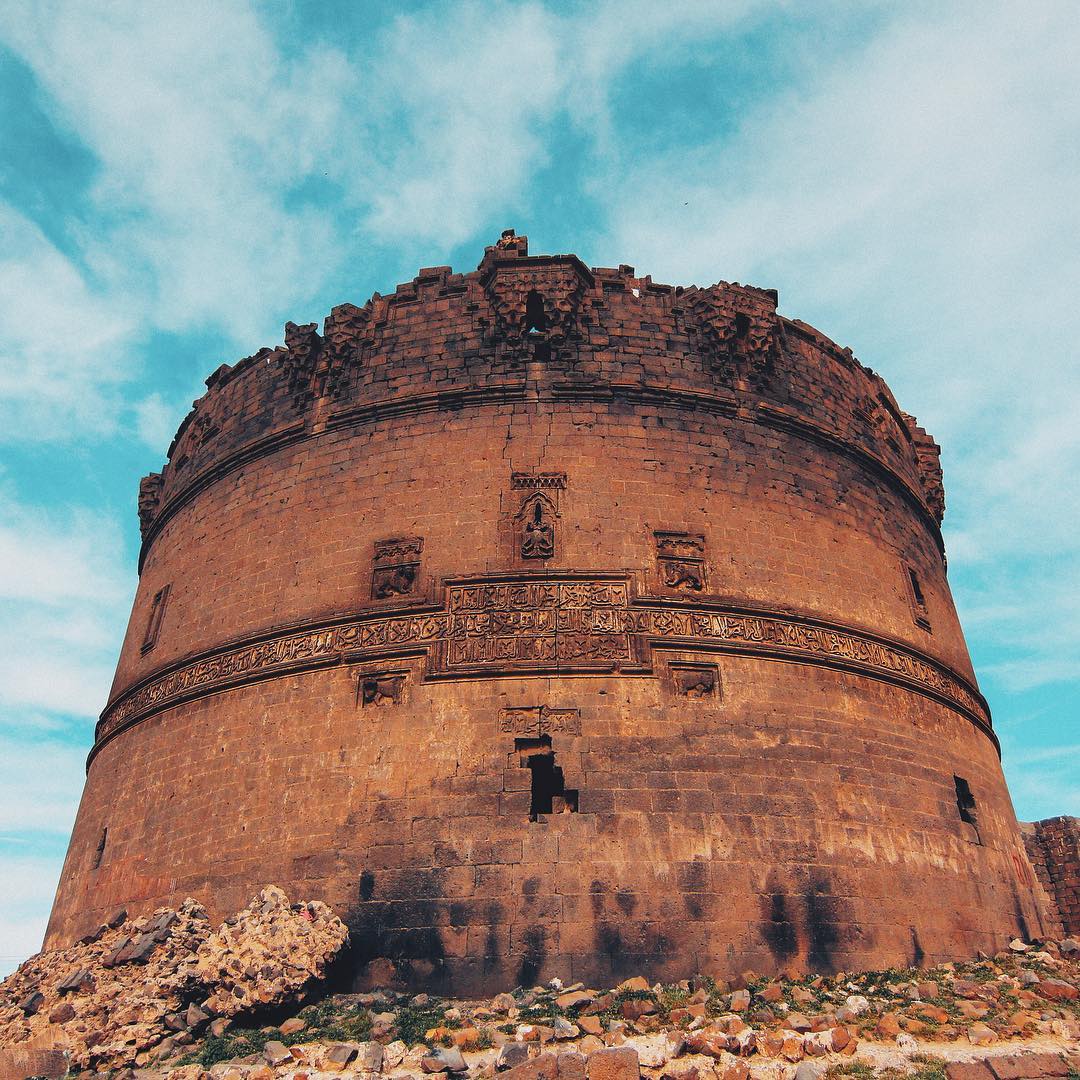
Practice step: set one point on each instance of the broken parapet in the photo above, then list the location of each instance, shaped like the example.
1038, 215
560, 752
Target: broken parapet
1053, 846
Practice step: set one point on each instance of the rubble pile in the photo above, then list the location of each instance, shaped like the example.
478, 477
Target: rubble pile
140, 990
1022, 1005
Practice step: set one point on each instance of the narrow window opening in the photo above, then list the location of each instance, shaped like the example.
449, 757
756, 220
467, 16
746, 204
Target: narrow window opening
535, 319
549, 794
100, 852
916, 589
965, 805
157, 614
918, 599
742, 325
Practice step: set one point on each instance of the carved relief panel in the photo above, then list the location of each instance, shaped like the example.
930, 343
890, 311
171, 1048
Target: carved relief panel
734, 329
536, 305
396, 567
695, 680
680, 559
535, 522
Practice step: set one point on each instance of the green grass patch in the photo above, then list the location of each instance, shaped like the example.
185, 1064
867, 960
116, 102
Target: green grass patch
233, 1044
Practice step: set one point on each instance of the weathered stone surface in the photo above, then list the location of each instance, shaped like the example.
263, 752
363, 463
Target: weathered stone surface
617, 1063
515, 473
265, 955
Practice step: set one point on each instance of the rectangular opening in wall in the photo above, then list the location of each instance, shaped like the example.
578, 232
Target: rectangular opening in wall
157, 613
965, 805
99, 853
549, 794
917, 598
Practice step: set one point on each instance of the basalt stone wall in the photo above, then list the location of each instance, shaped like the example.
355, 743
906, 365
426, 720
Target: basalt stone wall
1054, 849
547, 620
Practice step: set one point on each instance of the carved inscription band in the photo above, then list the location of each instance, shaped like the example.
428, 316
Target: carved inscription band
551, 626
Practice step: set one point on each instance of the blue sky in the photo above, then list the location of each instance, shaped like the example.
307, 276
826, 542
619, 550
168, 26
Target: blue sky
177, 180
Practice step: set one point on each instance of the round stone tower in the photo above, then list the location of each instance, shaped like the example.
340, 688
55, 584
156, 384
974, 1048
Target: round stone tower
547, 620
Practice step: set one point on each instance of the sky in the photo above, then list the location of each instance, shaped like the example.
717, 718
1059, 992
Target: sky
178, 180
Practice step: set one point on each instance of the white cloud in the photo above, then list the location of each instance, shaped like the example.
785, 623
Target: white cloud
66, 589
915, 202
27, 885
64, 347
202, 127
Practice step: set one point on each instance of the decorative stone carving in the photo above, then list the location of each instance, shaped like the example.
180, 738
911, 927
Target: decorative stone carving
693, 680
680, 559
734, 329
149, 501
304, 346
535, 303
381, 688
396, 567
542, 626
537, 481
537, 720
536, 525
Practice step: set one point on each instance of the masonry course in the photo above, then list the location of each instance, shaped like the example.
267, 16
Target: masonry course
549, 620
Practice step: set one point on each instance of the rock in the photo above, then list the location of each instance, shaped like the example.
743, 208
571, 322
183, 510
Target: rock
117, 918
817, 1044
791, 1046
571, 1066
563, 1029
973, 1010
1058, 990
591, 1025
857, 1004
840, 1038
219, 1026
445, 1059
468, 1038
290, 1027
1029, 978
773, 992
62, 1013
810, 1070
655, 1051
927, 989
635, 1008
574, 999
801, 996
968, 1070
1017, 946
798, 1022
369, 1057
1028, 1066
933, 1013
981, 1035
275, 1054
616, 1063
636, 983
1070, 947
906, 1044
513, 1053
31, 1003
888, 1026
194, 1018
739, 1001
79, 981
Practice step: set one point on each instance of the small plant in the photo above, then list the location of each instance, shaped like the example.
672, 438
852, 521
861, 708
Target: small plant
233, 1044
930, 1067
858, 1069
413, 1022
328, 1021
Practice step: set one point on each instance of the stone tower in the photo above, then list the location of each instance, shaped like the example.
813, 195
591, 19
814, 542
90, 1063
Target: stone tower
546, 620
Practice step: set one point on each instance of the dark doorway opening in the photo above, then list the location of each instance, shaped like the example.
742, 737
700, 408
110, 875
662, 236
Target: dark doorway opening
549, 794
